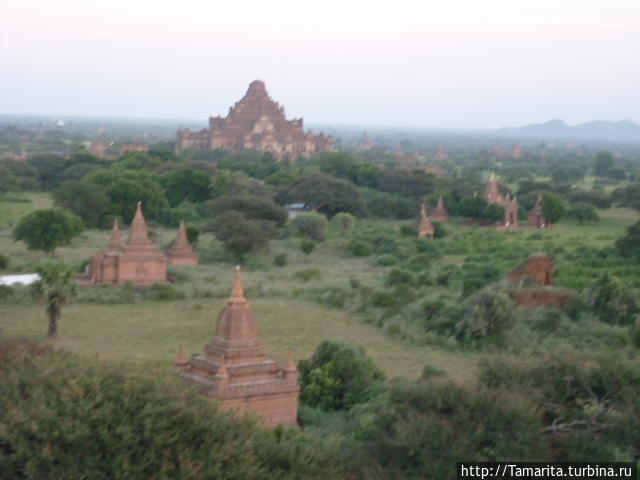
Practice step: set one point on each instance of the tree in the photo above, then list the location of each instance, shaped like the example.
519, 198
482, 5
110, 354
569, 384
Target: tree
582, 212
613, 300
553, 208
604, 161
252, 207
628, 196
629, 244
312, 226
491, 314
87, 200
325, 194
56, 287
337, 376
125, 188
343, 223
8, 181
240, 235
185, 184
48, 229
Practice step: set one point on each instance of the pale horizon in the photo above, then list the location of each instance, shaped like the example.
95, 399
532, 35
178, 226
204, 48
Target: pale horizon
463, 65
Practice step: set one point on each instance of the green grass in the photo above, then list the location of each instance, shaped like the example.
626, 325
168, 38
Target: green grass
150, 333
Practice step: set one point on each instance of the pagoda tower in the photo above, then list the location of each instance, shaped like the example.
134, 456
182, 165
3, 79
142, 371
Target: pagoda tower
235, 370
181, 252
425, 227
103, 265
439, 214
492, 193
535, 217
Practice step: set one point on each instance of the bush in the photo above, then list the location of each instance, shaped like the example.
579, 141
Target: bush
4, 262
280, 260
491, 314
90, 420
383, 299
161, 291
399, 277
311, 226
613, 300
386, 260
308, 274
360, 248
635, 333
337, 376
48, 229
307, 246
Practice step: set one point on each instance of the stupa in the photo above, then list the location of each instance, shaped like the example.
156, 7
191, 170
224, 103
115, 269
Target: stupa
181, 252
138, 261
535, 217
425, 227
235, 369
493, 195
439, 214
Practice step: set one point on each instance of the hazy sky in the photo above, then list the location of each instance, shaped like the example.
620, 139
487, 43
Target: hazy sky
445, 63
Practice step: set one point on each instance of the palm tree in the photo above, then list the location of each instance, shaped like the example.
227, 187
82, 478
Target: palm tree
57, 288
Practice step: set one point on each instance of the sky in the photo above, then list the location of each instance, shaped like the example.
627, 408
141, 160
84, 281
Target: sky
427, 63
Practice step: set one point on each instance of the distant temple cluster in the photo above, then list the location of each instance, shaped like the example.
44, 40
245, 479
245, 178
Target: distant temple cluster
138, 260
256, 122
235, 369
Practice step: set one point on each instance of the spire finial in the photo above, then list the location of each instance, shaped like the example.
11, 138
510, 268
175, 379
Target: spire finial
238, 291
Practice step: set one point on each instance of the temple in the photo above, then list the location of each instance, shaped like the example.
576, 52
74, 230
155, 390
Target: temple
439, 214
181, 252
425, 227
138, 261
256, 122
535, 217
235, 369
493, 195
365, 142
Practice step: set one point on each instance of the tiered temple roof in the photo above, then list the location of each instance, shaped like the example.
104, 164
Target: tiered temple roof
236, 370
439, 214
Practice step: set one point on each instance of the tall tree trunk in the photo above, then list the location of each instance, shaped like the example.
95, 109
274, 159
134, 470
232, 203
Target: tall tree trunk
54, 315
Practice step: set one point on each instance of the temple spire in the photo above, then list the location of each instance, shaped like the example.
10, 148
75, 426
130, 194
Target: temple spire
114, 241
238, 291
181, 239
138, 234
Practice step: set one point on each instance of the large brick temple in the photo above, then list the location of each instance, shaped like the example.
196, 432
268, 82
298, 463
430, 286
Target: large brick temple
236, 371
256, 122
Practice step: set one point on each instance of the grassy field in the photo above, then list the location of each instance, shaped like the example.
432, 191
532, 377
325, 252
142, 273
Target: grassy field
149, 332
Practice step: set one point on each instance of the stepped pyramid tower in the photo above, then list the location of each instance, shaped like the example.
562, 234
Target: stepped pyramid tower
425, 227
236, 371
439, 214
181, 252
535, 217
138, 261
256, 122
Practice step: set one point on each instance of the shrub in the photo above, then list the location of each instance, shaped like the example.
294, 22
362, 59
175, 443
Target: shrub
280, 260
360, 248
91, 420
383, 299
307, 246
4, 261
343, 223
386, 260
48, 229
308, 274
635, 333
613, 300
161, 291
311, 226
490, 315
337, 376
399, 277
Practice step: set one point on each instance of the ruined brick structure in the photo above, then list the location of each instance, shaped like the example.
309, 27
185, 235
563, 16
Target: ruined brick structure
439, 214
425, 227
493, 195
138, 261
256, 122
535, 217
181, 252
235, 369
538, 268
133, 147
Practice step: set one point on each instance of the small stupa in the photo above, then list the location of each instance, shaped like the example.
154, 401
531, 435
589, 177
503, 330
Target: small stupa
235, 369
425, 227
181, 252
439, 214
535, 217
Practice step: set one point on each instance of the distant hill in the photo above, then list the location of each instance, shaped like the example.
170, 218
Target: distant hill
599, 130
